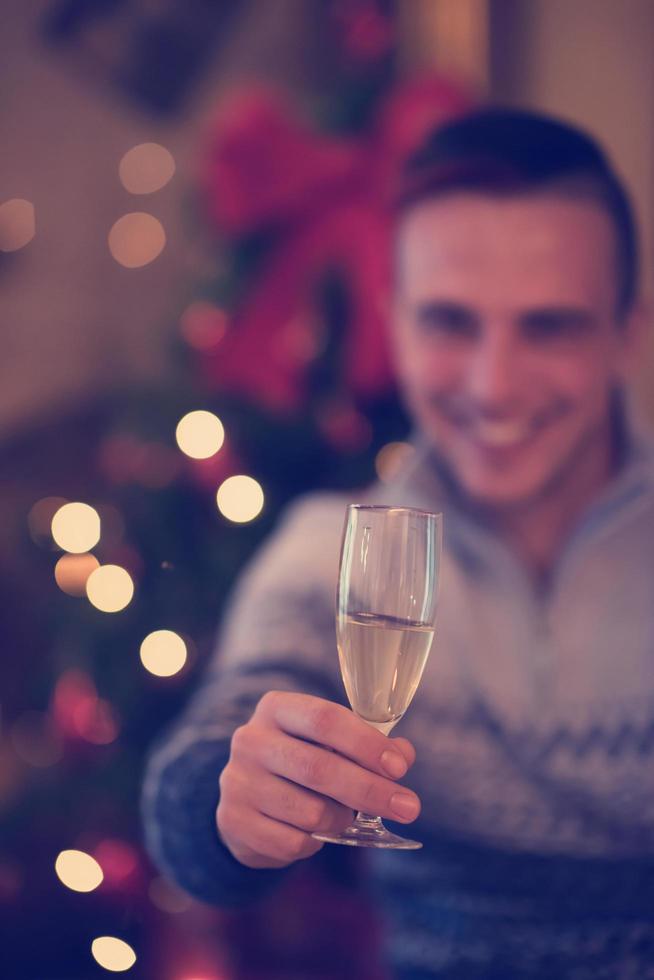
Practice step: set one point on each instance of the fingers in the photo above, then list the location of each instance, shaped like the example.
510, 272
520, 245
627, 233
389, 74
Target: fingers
406, 748
336, 727
300, 765
282, 800
339, 778
270, 844
265, 821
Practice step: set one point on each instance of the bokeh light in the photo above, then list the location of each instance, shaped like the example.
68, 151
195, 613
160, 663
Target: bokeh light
303, 339
200, 434
391, 459
203, 325
78, 871
240, 499
113, 954
146, 168
72, 572
163, 653
79, 713
17, 224
96, 722
110, 588
136, 239
76, 527
344, 426
118, 860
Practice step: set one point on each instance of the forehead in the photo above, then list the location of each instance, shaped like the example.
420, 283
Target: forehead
535, 248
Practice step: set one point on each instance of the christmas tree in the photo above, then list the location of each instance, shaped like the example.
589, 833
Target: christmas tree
128, 522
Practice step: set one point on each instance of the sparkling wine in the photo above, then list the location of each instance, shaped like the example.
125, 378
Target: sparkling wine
382, 660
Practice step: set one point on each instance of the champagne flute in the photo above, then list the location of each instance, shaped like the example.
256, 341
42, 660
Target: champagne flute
385, 619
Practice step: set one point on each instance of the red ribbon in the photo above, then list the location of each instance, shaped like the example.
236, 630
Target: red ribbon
325, 203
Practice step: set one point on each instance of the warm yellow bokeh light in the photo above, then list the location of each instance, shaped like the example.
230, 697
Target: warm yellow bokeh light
163, 653
200, 434
110, 588
136, 239
76, 528
113, 954
78, 871
17, 224
72, 572
240, 499
146, 168
391, 458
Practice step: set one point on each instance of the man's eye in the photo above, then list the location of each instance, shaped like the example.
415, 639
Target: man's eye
447, 321
544, 328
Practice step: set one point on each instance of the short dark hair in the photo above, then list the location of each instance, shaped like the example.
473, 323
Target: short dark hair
500, 151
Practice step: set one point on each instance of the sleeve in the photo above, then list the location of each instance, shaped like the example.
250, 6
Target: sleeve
278, 635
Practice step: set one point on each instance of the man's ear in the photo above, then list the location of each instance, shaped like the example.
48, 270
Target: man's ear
634, 328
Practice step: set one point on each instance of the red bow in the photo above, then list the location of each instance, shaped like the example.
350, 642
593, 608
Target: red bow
325, 202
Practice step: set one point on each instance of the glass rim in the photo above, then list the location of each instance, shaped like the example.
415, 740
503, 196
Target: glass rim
400, 507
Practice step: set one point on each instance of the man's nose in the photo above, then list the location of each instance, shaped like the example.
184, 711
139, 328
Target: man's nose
494, 375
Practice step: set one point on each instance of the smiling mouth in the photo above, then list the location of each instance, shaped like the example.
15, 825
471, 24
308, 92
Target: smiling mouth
501, 435
497, 435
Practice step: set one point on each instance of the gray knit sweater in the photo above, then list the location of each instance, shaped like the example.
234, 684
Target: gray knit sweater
533, 725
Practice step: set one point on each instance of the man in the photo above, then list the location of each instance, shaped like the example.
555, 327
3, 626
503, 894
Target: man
529, 748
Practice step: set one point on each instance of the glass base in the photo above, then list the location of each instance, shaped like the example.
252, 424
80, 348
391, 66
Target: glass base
368, 831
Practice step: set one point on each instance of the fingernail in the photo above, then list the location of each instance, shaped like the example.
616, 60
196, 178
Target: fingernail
393, 763
404, 805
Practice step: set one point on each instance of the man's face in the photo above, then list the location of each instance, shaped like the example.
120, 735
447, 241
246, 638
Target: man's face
506, 336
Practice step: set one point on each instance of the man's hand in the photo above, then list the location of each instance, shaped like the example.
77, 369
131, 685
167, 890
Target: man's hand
302, 764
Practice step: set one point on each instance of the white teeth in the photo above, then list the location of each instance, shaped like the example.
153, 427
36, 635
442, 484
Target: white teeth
500, 433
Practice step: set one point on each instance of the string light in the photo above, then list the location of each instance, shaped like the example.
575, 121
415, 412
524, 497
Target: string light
118, 860
146, 168
203, 325
17, 224
136, 239
200, 434
163, 653
96, 723
78, 871
78, 712
76, 527
113, 954
72, 571
391, 458
240, 499
110, 588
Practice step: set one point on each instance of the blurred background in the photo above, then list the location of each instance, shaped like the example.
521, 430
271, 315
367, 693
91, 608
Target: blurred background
193, 264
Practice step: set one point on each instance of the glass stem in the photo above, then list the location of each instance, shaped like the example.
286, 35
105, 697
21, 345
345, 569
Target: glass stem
368, 821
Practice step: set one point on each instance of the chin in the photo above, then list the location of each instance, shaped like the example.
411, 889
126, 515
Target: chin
501, 500
502, 491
